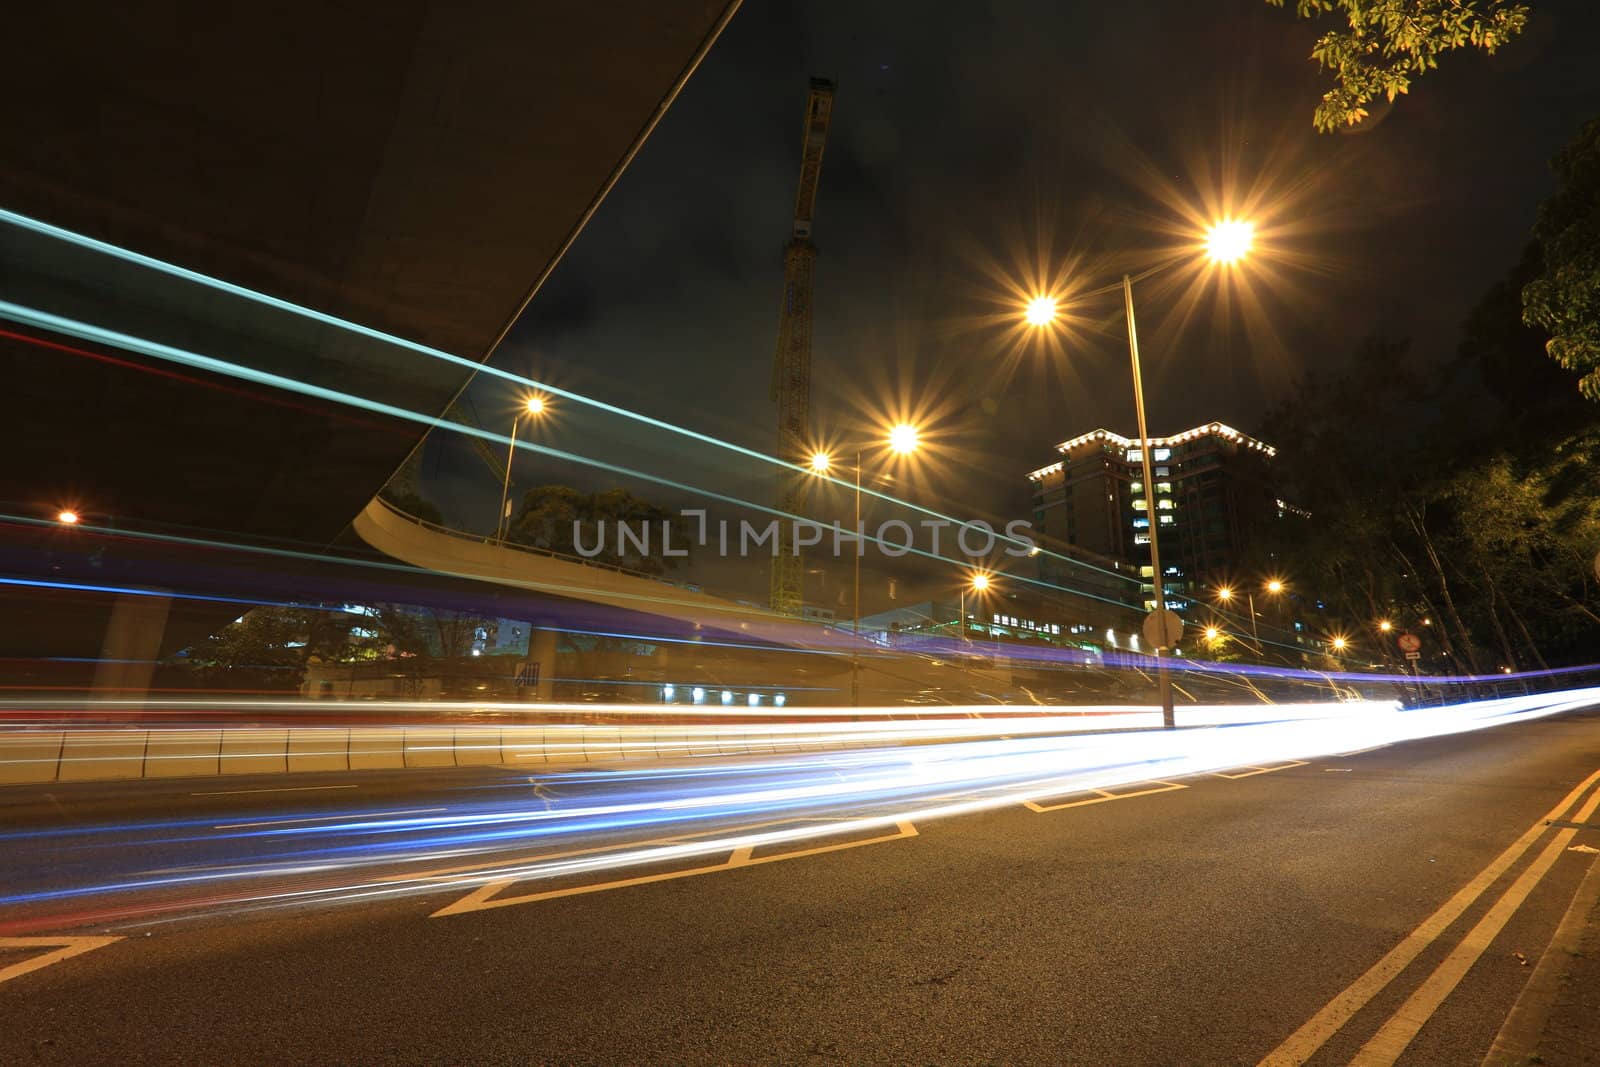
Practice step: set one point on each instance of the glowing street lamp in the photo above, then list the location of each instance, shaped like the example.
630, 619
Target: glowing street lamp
1212, 633
1229, 241
1274, 586
1384, 625
1339, 644
903, 439
979, 583
533, 407
1041, 311
68, 517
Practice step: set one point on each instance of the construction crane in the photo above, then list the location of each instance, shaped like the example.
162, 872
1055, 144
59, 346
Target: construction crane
791, 365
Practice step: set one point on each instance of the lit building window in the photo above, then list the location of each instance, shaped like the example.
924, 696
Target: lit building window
1140, 505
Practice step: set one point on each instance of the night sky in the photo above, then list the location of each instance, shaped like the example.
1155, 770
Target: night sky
976, 144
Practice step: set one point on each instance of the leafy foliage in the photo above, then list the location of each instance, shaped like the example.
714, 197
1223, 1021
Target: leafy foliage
1385, 43
1564, 298
554, 516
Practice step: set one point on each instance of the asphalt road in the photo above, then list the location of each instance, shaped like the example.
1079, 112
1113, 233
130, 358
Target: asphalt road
1203, 924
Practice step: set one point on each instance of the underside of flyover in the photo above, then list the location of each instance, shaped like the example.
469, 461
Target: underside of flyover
418, 172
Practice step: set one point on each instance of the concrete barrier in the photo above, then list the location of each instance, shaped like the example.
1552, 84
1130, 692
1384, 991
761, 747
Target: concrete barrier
33, 756
183, 753
252, 750
88, 755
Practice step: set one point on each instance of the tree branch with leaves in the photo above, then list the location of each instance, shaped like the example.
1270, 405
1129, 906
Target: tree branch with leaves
1384, 44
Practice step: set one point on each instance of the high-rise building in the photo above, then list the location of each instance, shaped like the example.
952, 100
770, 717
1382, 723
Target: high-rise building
1213, 485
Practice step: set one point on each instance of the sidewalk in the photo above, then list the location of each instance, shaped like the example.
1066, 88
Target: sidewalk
1556, 1020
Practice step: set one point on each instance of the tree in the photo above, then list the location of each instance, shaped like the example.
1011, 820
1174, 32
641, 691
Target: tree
413, 504
1564, 299
552, 517
1387, 42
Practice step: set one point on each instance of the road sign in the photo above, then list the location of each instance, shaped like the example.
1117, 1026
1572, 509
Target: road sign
1163, 628
1410, 644
1413, 655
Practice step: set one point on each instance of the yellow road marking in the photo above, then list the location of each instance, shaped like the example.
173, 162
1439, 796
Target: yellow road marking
486, 896
1163, 787
65, 948
1301, 1045
445, 873
1254, 770
1388, 1043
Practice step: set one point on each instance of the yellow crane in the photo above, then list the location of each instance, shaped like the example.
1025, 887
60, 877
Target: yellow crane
791, 365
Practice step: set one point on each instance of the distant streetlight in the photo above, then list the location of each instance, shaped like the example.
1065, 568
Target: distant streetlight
1273, 586
1384, 625
68, 517
903, 439
979, 583
1212, 633
1339, 644
533, 407
1227, 242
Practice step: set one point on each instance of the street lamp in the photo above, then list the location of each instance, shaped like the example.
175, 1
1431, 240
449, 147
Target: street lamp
1227, 242
1041, 311
68, 517
533, 407
1339, 644
1273, 586
903, 439
1384, 626
979, 583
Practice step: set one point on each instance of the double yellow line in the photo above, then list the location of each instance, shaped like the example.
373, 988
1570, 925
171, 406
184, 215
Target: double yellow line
1392, 1038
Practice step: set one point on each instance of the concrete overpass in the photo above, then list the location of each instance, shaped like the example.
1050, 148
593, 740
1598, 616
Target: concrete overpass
420, 171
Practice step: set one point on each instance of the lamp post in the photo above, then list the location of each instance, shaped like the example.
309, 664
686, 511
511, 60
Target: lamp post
1227, 242
979, 583
1273, 586
903, 439
532, 407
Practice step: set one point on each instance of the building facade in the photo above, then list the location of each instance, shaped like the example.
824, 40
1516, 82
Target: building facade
1213, 485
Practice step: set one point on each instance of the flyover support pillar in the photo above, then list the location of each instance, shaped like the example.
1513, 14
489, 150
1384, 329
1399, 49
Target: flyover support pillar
132, 644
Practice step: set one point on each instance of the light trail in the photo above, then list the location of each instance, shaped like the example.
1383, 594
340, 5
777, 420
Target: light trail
661, 813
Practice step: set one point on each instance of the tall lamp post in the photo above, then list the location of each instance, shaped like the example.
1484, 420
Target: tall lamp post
533, 407
903, 440
1273, 587
1227, 242
979, 583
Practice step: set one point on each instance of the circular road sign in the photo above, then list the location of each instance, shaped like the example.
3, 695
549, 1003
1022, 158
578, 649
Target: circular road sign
1163, 628
1409, 643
